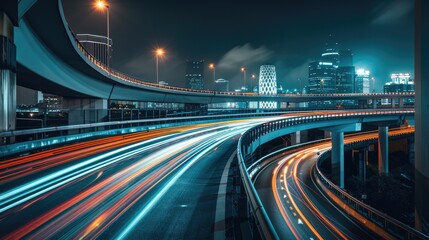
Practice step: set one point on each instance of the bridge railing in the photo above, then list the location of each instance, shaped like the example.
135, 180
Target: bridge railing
43, 137
390, 225
247, 161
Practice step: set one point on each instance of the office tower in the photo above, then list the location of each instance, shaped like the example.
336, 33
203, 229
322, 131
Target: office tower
321, 77
362, 81
401, 82
195, 74
345, 79
331, 53
268, 84
400, 78
221, 85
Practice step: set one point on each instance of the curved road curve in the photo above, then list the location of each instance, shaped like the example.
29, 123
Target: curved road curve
293, 201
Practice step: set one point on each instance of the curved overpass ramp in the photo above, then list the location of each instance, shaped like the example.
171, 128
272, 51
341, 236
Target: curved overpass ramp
49, 60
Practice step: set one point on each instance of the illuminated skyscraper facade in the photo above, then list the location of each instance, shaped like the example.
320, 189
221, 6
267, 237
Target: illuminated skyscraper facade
345, 79
268, 84
321, 77
195, 74
362, 81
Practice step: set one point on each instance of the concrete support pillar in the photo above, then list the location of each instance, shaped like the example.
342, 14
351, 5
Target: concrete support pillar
392, 102
421, 71
337, 154
374, 104
363, 158
383, 150
337, 159
401, 102
296, 137
86, 110
7, 68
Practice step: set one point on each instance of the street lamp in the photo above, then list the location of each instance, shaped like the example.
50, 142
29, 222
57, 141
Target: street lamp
158, 53
243, 69
101, 5
253, 76
212, 66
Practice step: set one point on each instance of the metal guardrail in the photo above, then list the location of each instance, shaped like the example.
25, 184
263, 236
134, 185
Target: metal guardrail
131, 122
392, 226
43, 137
262, 220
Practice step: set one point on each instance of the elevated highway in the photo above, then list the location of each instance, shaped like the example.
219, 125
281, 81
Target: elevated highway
50, 59
251, 166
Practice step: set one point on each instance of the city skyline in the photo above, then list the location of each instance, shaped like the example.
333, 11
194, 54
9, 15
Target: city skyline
379, 34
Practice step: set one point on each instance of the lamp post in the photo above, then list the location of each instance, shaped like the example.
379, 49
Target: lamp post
212, 66
158, 53
103, 5
243, 69
253, 76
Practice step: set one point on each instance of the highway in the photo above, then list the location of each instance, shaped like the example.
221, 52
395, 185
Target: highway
293, 201
165, 183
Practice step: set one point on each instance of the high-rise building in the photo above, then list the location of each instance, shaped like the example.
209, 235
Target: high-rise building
345, 79
362, 81
52, 103
400, 78
401, 82
195, 74
321, 77
268, 84
267, 80
346, 58
331, 53
221, 85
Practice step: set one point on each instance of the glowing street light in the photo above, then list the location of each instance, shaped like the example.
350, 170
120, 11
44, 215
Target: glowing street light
101, 5
212, 66
253, 76
158, 53
243, 69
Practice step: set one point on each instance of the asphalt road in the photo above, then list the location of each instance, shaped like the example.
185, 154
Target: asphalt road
294, 203
163, 184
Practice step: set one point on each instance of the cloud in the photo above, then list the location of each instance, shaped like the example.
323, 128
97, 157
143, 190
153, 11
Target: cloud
243, 56
293, 75
393, 11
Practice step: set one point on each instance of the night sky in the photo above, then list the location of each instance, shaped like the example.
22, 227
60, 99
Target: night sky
232, 34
